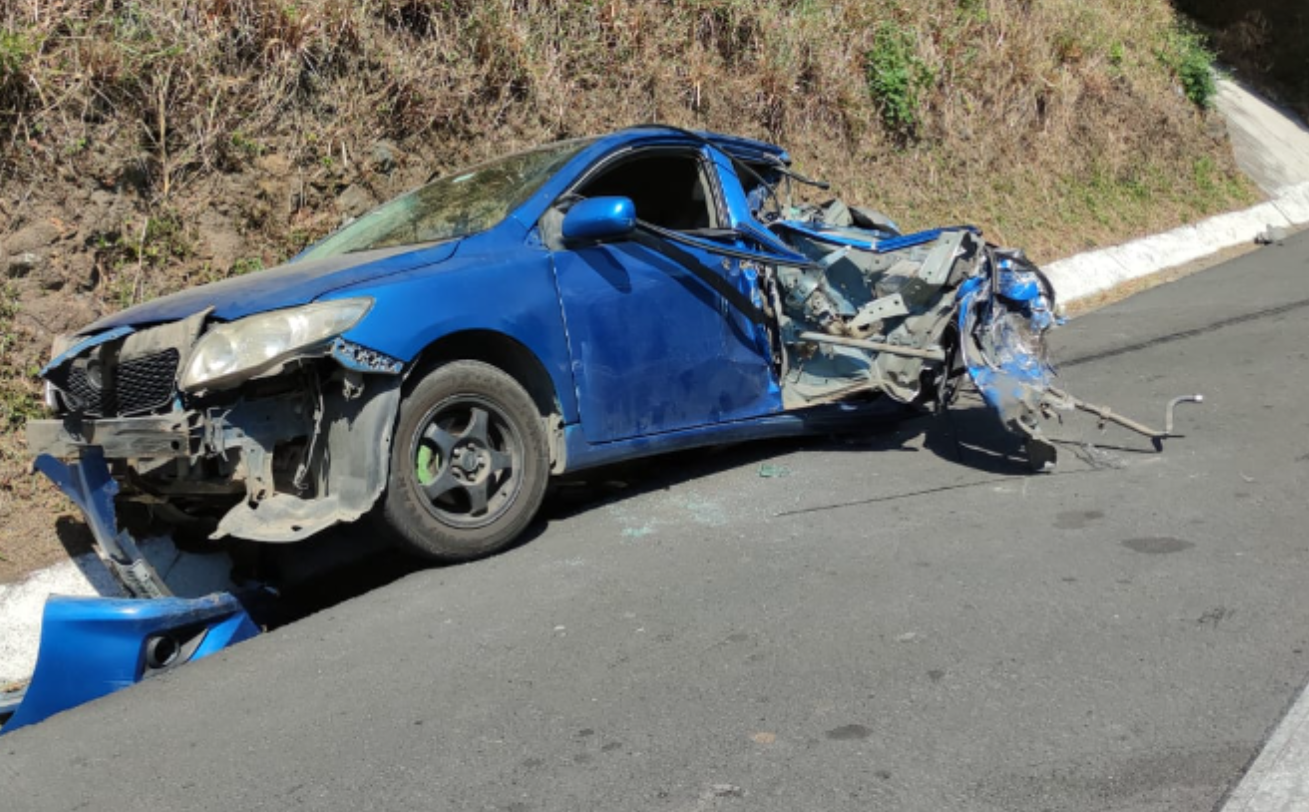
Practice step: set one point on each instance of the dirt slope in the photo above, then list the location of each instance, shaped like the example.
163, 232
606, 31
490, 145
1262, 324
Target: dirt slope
146, 146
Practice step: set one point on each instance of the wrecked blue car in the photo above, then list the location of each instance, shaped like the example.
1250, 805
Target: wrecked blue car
434, 363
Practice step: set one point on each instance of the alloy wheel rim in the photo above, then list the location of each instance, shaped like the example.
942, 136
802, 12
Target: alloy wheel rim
467, 461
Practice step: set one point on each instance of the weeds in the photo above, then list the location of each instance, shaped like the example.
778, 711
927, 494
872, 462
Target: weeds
897, 78
1263, 41
247, 265
8, 309
1187, 55
211, 86
15, 50
20, 398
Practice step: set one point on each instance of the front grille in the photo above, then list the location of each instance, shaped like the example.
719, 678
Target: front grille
87, 394
146, 383
137, 386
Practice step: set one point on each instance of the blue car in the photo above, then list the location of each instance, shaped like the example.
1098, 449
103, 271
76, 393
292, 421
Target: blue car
431, 365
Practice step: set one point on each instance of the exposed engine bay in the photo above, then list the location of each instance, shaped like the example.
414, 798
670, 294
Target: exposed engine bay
277, 460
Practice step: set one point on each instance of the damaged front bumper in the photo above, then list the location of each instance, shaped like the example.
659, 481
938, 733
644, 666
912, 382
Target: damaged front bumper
301, 466
285, 458
281, 458
91, 647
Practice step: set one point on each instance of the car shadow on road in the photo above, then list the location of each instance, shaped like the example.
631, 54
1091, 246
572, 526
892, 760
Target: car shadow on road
967, 436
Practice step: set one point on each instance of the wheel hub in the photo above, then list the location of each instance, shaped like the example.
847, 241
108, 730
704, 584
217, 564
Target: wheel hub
469, 460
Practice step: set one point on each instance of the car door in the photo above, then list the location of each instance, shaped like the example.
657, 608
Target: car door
655, 341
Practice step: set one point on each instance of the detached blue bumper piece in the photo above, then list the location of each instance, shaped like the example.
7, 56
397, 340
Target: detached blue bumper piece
95, 646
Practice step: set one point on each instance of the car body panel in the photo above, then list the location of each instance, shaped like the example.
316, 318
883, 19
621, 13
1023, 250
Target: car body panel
497, 282
583, 454
651, 346
92, 647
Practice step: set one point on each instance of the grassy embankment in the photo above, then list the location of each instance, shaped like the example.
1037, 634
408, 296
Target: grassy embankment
145, 146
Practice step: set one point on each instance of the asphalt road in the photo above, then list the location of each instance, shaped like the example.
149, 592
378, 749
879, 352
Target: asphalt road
899, 621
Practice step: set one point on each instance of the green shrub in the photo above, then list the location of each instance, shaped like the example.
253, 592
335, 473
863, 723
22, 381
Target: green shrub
897, 78
1188, 56
15, 49
20, 398
246, 265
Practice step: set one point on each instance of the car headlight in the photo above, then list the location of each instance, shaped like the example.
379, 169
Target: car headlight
230, 353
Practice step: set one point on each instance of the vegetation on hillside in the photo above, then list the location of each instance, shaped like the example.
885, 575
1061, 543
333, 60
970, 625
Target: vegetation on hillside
145, 146
1264, 41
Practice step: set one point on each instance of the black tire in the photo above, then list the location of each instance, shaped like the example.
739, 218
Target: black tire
464, 486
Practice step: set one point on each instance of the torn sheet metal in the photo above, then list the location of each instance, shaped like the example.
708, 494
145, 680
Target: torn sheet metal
868, 318
361, 359
1003, 319
906, 315
91, 647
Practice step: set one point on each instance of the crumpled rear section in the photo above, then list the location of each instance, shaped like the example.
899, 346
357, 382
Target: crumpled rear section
905, 315
1003, 317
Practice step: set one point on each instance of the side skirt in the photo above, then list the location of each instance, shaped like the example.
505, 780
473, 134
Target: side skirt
580, 455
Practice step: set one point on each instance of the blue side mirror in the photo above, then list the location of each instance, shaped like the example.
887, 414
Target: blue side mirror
600, 218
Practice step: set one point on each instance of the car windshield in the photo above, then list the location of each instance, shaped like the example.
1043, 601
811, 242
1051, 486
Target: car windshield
463, 203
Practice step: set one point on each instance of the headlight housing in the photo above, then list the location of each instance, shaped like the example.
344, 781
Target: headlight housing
230, 353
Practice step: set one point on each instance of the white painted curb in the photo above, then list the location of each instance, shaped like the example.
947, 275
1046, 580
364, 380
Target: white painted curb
1097, 271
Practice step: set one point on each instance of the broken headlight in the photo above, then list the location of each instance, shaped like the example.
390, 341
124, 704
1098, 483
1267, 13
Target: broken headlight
230, 353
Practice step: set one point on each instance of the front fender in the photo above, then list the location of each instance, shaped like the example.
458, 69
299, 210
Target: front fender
510, 291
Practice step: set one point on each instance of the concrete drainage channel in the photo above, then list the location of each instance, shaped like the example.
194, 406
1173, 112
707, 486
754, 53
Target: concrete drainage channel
1273, 150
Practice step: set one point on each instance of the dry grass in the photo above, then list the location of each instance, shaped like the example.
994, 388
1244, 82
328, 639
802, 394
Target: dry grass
1054, 124
1039, 118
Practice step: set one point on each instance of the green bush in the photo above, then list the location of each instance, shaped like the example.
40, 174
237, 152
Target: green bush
1187, 54
14, 52
897, 78
20, 398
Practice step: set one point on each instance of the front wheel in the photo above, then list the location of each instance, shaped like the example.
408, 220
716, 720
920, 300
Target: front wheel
469, 463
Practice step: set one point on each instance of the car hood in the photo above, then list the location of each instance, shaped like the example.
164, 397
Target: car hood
294, 283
